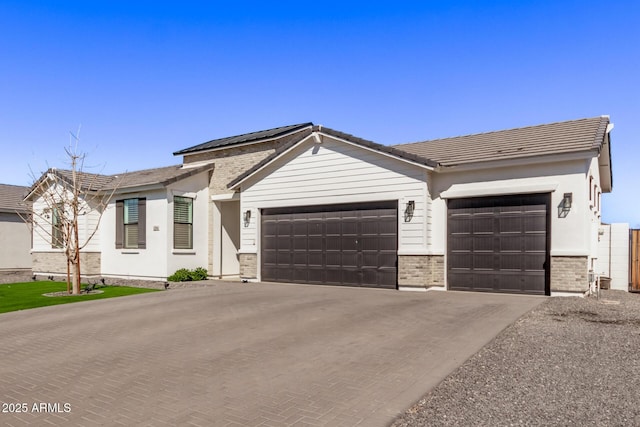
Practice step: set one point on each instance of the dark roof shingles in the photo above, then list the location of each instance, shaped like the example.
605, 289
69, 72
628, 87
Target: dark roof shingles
244, 138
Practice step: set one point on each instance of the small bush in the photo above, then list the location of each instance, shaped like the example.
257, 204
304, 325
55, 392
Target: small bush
186, 275
199, 274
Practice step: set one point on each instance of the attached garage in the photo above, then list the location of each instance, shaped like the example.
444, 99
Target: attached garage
350, 245
499, 244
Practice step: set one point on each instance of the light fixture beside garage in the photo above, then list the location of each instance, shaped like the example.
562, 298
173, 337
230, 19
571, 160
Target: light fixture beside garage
408, 211
247, 217
565, 205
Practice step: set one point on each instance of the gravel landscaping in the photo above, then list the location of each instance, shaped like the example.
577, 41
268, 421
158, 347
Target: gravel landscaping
571, 361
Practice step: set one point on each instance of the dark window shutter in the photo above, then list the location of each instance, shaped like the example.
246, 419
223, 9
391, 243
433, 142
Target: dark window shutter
142, 223
119, 223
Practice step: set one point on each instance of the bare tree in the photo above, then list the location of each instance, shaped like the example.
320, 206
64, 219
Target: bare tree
61, 198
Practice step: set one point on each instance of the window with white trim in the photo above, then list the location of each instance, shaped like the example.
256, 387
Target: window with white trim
182, 222
131, 223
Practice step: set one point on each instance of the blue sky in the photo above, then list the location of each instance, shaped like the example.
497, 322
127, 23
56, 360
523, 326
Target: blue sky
148, 79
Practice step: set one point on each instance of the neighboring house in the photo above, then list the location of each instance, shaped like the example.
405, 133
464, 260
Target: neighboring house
508, 211
15, 234
146, 231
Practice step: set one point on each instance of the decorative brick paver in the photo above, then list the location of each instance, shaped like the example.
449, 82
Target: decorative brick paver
241, 354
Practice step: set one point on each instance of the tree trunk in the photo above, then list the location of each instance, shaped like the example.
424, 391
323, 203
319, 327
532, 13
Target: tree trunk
74, 276
68, 277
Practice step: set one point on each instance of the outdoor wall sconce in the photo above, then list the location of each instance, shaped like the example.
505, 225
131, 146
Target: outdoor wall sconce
565, 205
408, 211
247, 217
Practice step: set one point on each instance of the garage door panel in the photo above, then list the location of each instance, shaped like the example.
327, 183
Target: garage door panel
300, 228
333, 228
510, 224
535, 242
315, 243
284, 257
511, 242
499, 244
370, 243
300, 258
535, 262
315, 228
387, 262
482, 261
349, 243
483, 225
316, 259
535, 223
355, 245
512, 262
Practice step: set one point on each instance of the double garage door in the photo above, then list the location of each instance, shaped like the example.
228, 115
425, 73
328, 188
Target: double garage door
499, 244
352, 245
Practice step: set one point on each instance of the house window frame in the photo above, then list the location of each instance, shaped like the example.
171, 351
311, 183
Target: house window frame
57, 236
182, 221
129, 223
122, 237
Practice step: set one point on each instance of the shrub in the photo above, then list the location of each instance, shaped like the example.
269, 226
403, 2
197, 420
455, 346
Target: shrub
186, 275
199, 274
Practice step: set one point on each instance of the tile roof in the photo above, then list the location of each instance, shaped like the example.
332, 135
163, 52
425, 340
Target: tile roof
11, 198
554, 138
162, 176
97, 182
244, 138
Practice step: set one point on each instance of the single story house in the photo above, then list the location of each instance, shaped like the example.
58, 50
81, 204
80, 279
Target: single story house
15, 234
513, 211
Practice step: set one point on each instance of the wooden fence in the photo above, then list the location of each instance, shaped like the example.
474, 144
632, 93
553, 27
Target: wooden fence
634, 260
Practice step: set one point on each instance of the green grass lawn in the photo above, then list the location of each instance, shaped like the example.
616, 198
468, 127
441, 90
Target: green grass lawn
22, 296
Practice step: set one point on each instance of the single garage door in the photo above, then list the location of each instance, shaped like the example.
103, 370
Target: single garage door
351, 245
499, 244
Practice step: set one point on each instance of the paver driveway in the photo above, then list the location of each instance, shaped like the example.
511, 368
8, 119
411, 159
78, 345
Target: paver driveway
241, 354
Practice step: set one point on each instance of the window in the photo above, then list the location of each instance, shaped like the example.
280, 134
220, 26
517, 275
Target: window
57, 238
182, 222
131, 224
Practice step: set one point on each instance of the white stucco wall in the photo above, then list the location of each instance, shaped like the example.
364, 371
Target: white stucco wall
158, 260
335, 172
570, 236
15, 242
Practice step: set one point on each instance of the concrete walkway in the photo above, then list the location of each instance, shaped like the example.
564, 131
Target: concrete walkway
241, 354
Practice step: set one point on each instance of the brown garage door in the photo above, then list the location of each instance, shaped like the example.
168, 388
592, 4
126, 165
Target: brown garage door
499, 244
352, 245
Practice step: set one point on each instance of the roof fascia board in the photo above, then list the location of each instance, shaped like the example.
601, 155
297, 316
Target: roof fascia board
604, 165
162, 184
242, 144
547, 158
